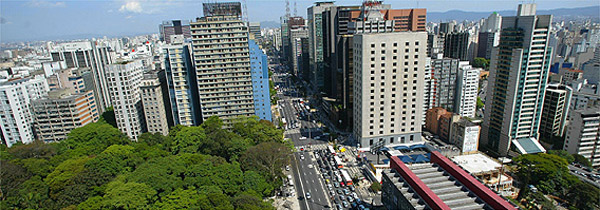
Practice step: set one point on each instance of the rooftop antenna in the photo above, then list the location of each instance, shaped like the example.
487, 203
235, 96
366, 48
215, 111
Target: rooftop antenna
295, 10
245, 12
287, 8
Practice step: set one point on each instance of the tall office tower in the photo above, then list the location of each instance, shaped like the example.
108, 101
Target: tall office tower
174, 27
583, 133
182, 84
388, 87
124, 81
277, 39
456, 45
62, 111
260, 81
444, 72
467, 85
428, 89
222, 63
298, 31
518, 73
285, 37
487, 41
315, 40
92, 54
435, 44
555, 110
255, 30
304, 60
591, 69
16, 119
492, 23
154, 106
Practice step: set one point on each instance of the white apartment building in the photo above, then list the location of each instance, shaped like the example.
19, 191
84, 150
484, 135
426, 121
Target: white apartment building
389, 70
16, 120
465, 135
467, 84
222, 62
429, 87
124, 81
182, 83
583, 134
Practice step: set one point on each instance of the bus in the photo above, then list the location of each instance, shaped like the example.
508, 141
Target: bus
331, 150
338, 161
346, 177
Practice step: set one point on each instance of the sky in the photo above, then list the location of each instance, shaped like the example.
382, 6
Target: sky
24, 20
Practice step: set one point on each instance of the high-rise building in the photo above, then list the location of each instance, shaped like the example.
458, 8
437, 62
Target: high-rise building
254, 29
492, 23
467, 85
435, 44
428, 89
182, 84
93, 54
260, 81
555, 110
388, 87
518, 73
153, 104
444, 72
285, 37
446, 28
222, 63
65, 78
456, 45
583, 133
124, 81
277, 39
340, 24
487, 41
16, 120
297, 33
464, 134
62, 111
174, 27
315, 40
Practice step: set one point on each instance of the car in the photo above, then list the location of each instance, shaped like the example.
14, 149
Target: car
354, 195
308, 195
310, 166
342, 197
301, 157
303, 138
338, 206
346, 191
350, 199
352, 188
339, 191
331, 193
336, 201
287, 168
345, 204
337, 185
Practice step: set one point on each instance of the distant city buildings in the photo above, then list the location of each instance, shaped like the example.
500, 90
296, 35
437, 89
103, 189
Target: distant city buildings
174, 27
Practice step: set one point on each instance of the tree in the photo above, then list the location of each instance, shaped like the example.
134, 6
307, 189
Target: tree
563, 154
480, 103
108, 116
161, 174
188, 140
131, 195
584, 196
376, 186
253, 181
548, 172
257, 131
90, 140
36, 149
182, 199
63, 173
268, 158
12, 176
582, 160
246, 201
481, 63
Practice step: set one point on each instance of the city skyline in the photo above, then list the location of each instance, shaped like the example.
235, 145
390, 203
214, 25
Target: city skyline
47, 20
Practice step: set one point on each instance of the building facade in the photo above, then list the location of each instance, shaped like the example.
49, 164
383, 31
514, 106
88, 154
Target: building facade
518, 73
260, 81
444, 71
153, 104
16, 120
583, 133
124, 81
388, 87
182, 84
174, 27
555, 110
467, 85
464, 134
222, 64
62, 111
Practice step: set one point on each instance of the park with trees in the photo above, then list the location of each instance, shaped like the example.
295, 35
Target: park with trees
98, 167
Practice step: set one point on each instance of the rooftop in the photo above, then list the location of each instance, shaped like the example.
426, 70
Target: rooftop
476, 163
528, 146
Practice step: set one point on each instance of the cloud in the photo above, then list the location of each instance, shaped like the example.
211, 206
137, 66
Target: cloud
128, 17
131, 6
45, 4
